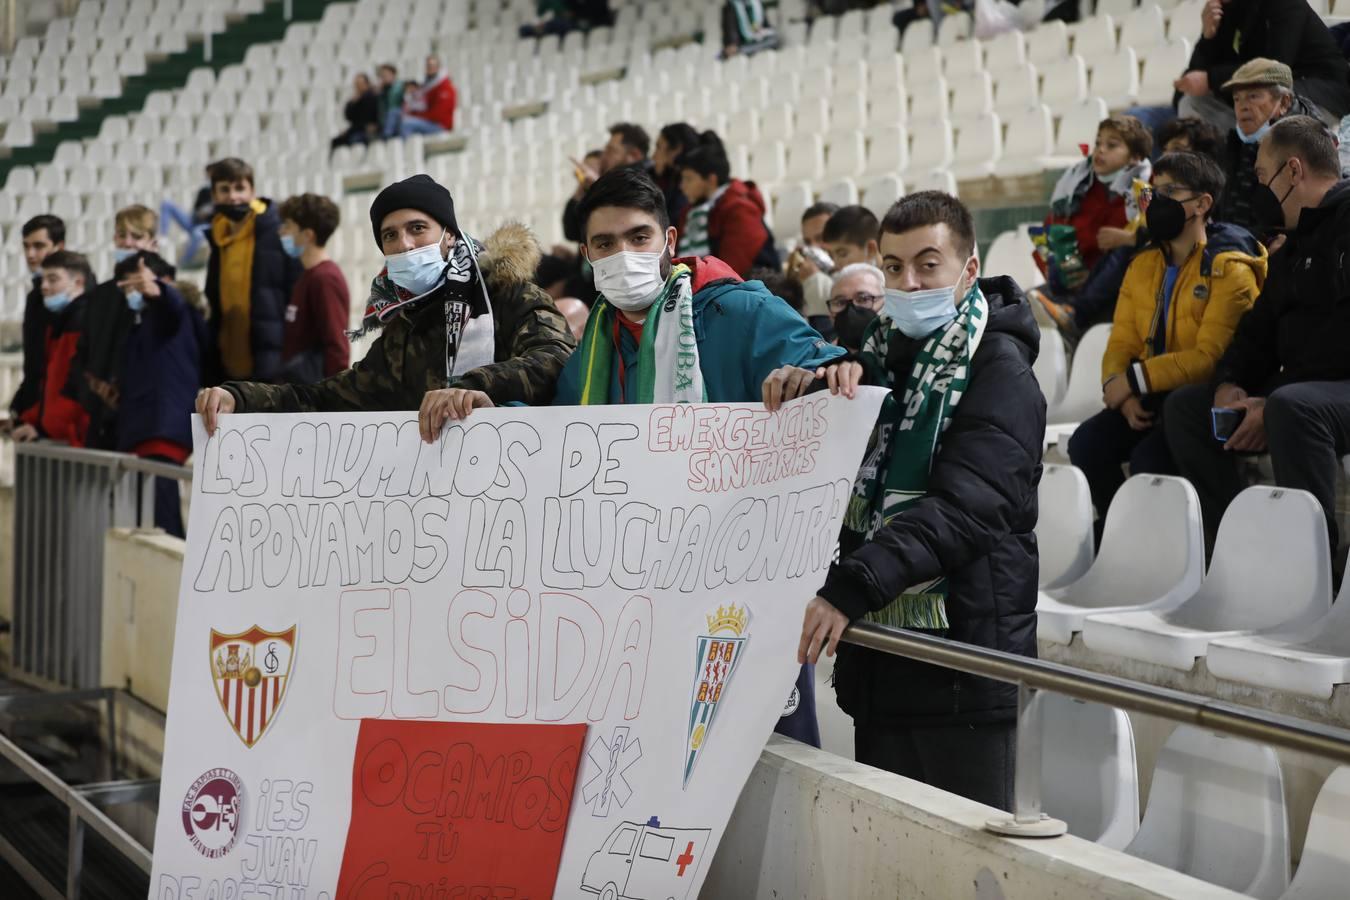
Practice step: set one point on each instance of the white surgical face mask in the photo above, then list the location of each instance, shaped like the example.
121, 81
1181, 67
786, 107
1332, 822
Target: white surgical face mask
419, 270
629, 280
920, 313
1255, 136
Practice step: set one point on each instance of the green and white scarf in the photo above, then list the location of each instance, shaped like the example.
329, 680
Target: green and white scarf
694, 239
894, 474
668, 369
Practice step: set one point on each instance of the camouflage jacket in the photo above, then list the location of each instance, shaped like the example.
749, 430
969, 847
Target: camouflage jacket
407, 359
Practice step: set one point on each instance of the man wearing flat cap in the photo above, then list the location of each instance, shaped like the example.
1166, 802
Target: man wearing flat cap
460, 323
1263, 93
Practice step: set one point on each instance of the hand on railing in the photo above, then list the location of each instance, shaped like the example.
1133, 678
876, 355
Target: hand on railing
24, 433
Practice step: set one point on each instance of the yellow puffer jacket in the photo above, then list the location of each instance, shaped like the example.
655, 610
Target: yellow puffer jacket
1215, 287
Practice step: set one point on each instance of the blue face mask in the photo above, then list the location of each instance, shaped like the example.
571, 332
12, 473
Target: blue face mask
136, 301
418, 271
121, 253
56, 302
289, 247
1255, 136
920, 313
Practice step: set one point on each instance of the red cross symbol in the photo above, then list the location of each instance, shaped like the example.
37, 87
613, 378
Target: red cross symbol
685, 859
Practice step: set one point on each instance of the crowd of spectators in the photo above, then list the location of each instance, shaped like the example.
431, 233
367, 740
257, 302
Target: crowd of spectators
398, 108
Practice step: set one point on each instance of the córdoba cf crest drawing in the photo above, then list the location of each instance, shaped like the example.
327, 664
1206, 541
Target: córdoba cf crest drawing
717, 654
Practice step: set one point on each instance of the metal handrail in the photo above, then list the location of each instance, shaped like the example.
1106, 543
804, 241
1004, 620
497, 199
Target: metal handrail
1191, 709
116, 462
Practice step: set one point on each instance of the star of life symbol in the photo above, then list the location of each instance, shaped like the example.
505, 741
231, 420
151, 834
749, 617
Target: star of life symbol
612, 759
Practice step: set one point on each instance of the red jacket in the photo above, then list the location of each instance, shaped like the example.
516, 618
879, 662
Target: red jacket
434, 102
736, 231
1098, 209
55, 415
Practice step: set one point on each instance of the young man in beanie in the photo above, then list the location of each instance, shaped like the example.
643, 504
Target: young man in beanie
460, 324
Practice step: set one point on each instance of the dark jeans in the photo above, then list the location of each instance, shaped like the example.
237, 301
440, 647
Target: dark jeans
1101, 444
974, 761
1307, 430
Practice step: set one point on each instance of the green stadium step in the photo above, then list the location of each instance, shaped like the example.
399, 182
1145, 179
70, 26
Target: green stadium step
167, 74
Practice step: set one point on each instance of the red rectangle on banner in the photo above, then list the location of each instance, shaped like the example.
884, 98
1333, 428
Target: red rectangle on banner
458, 809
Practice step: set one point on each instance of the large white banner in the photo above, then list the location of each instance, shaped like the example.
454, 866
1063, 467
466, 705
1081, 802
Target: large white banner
538, 657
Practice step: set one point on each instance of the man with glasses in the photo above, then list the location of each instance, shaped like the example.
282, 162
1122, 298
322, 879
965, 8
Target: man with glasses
1179, 305
855, 300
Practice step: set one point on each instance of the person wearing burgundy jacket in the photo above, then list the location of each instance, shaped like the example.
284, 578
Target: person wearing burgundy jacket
725, 216
314, 342
430, 107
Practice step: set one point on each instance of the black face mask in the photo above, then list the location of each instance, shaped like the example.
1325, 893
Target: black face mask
1267, 209
1166, 218
851, 324
235, 212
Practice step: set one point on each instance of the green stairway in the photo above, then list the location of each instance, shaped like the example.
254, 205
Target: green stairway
171, 72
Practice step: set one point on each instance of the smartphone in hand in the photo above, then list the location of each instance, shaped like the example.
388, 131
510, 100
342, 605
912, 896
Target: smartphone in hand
1226, 421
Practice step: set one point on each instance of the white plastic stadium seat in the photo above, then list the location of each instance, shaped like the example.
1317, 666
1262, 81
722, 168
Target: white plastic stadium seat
1077, 128
1047, 43
1143, 27
789, 202
1271, 544
1310, 661
887, 150
1324, 867
1016, 90
1152, 517
972, 96
1011, 254
1083, 399
847, 155
1064, 528
1031, 141
918, 36
1088, 770
955, 27
806, 158
881, 193
1094, 38
932, 151
1216, 811
1162, 66
1115, 78
978, 148
843, 192
1006, 53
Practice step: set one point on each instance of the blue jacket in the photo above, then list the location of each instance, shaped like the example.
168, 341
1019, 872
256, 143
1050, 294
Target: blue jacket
161, 373
743, 333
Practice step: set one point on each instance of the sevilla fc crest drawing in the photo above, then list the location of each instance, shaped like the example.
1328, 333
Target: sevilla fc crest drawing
251, 671
717, 654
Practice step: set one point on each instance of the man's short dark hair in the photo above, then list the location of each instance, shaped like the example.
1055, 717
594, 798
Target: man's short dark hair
782, 285
1309, 140
626, 187
680, 134
158, 266
387, 67
634, 137
72, 262
229, 170
851, 224
707, 158
315, 212
823, 208
1192, 170
1199, 134
55, 228
932, 208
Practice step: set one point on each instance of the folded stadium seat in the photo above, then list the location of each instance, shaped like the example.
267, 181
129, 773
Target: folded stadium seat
962, 58
1010, 254
1216, 811
743, 128
882, 46
851, 24
18, 87
918, 36
68, 155
931, 150
790, 200
1083, 399
784, 89
1006, 53
813, 116
18, 133
763, 64
1324, 865
843, 192
9, 108
1030, 143
777, 124
48, 67
936, 180
1064, 83
887, 151
806, 158
51, 178
1089, 775
1016, 90
1064, 529
817, 85
37, 108
1115, 79
979, 146
1162, 66
1144, 28
131, 64
1095, 38
1310, 660
972, 96
33, 203
768, 163
99, 152
822, 34
159, 103
851, 76
846, 156
888, 76
955, 27
1077, 129
1271, 544
881, 193
929, 102
1154, 518
68, 207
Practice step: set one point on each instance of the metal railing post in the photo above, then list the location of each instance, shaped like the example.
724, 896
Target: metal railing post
74, 857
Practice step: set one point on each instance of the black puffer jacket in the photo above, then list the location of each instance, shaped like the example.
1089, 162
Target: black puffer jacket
975, 525
274, 275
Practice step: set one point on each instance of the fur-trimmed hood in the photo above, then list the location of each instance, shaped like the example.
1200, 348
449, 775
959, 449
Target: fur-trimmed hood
510, 256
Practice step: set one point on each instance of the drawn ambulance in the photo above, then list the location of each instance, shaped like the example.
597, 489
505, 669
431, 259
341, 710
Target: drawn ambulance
646, 862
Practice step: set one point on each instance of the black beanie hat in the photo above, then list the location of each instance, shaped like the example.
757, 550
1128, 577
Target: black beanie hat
420, 192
